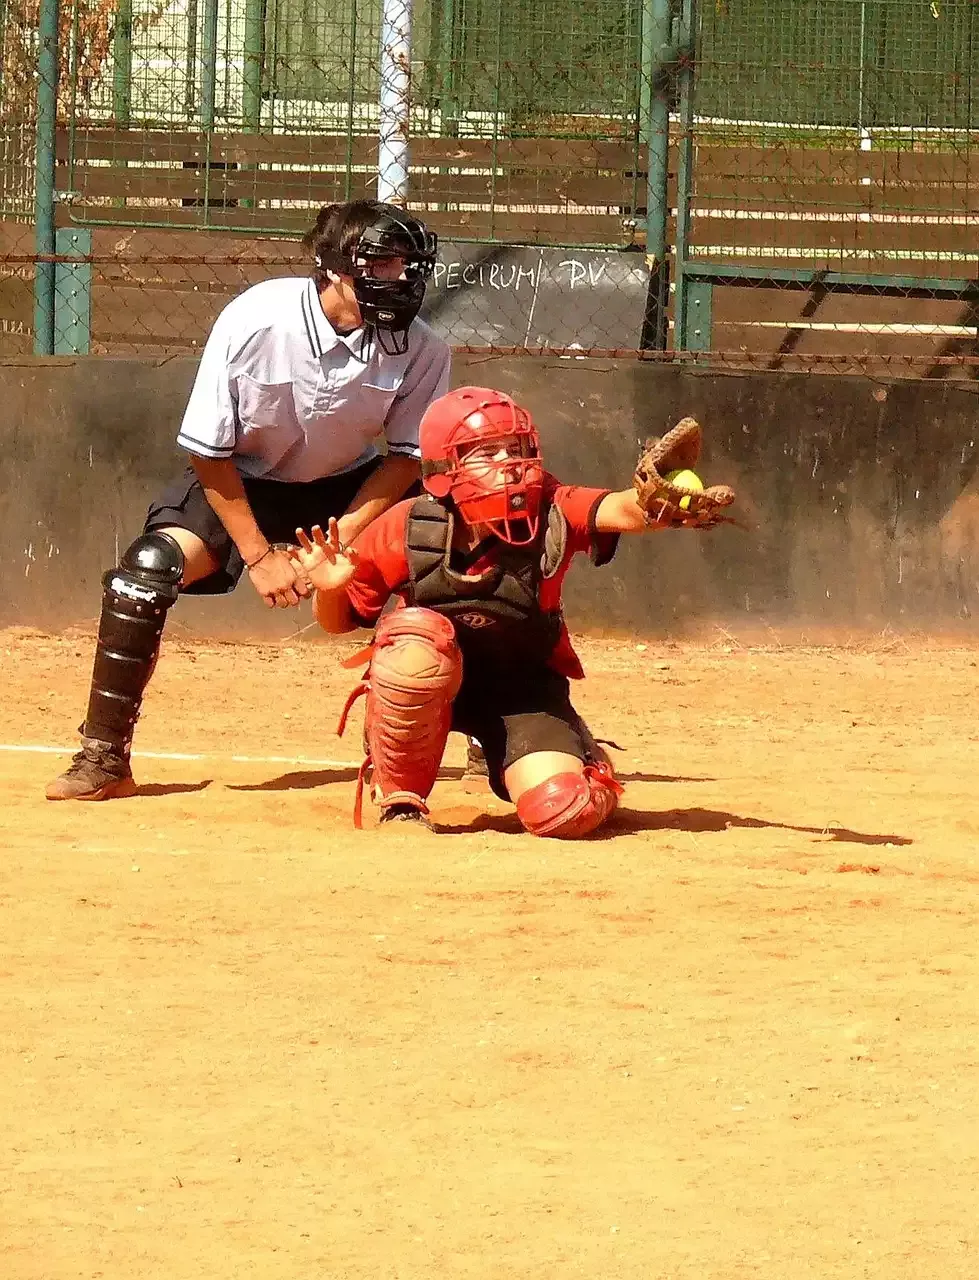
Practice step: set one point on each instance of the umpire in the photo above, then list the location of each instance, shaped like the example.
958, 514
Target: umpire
298, 379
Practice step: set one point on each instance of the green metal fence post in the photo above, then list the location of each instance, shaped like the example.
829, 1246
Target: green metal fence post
655, 132
190, 62
351, 105
122, 75
448, 108
209, 64
3, 40
209, 83
698, 317
682, 316
254, 54
44, 176
73, 293
251, 86
122, 63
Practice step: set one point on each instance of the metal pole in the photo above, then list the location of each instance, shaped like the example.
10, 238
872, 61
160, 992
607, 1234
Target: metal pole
44, 175
392, 158
655, 132
685, 322
209, 64
209, 80
498, 114
351, 103
448, 107
251, 87
122, 78
122, 63
3, 44
860, 73
251, 92
190, 62
73, 292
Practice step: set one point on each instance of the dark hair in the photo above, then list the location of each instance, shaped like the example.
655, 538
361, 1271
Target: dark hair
337, 231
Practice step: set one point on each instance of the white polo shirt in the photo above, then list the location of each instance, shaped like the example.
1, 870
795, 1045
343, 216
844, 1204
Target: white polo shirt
283, 394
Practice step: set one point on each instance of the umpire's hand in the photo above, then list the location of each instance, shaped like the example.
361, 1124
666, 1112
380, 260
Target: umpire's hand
276, 579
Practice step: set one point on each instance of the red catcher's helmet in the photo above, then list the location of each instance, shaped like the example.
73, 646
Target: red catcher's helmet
502, 493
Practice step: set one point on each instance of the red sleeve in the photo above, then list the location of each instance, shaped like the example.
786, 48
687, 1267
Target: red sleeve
580, 506
383, 563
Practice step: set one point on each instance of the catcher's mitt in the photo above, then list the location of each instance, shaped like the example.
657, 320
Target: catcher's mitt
660, 498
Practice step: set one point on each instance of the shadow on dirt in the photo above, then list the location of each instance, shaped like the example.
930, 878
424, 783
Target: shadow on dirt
302, 780
658, 777
305, 780
504, 824
630, 821
695, 820
172, 788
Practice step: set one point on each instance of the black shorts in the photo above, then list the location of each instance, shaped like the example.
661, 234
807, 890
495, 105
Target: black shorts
279, 508
513, 716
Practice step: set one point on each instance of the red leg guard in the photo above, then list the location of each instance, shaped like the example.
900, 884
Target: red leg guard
415, 672
570, 805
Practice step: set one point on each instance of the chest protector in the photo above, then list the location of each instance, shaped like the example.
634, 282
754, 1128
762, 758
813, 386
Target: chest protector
497, 616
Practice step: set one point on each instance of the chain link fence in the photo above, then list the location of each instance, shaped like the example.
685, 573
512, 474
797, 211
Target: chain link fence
832, 203
17, 130
765, 183
245, 116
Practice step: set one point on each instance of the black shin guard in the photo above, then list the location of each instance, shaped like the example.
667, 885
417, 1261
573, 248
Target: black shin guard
135, 600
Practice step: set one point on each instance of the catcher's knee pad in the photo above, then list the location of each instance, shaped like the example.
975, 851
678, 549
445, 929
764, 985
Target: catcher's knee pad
415, 672
570, 805
135, 599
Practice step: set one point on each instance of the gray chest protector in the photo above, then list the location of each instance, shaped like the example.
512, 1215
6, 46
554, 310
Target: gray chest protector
497, 616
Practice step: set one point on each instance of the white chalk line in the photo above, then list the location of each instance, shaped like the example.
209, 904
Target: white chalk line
37, 749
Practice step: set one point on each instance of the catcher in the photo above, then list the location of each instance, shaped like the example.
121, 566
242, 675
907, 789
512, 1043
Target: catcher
464, 586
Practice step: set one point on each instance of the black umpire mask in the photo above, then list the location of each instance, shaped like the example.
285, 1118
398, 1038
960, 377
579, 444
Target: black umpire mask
387, 307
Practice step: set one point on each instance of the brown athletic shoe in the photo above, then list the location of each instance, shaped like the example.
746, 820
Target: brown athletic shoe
97, 772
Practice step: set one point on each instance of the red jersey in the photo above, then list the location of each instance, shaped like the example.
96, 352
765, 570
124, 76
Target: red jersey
382, 570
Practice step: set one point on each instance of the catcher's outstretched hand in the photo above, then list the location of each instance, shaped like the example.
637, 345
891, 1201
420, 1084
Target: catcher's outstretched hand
665, 502
325, 562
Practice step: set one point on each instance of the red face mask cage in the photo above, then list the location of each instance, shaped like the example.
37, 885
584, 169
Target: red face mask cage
462, 436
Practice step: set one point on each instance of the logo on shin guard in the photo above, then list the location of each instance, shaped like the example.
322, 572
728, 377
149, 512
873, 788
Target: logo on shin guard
132, 591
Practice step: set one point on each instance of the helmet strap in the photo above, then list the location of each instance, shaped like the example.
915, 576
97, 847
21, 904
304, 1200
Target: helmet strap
393, 342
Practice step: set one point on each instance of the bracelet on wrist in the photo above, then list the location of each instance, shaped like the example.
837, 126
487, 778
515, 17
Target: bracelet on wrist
267, 552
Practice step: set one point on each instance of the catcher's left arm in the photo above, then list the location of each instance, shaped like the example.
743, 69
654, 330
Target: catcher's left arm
655, 501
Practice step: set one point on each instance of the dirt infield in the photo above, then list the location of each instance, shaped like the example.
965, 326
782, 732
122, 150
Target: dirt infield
735, 1037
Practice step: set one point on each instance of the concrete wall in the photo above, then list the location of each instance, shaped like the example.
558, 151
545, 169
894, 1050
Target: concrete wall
863, 496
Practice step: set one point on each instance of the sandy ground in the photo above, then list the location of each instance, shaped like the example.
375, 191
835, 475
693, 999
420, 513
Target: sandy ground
735, 1037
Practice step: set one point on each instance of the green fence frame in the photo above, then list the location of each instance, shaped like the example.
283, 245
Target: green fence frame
700, 279
44, 178
696, 278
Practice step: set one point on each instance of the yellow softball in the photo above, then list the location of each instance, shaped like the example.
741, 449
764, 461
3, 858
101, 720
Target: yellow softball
685, 480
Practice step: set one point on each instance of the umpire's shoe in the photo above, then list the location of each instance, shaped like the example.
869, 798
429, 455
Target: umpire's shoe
98, 772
